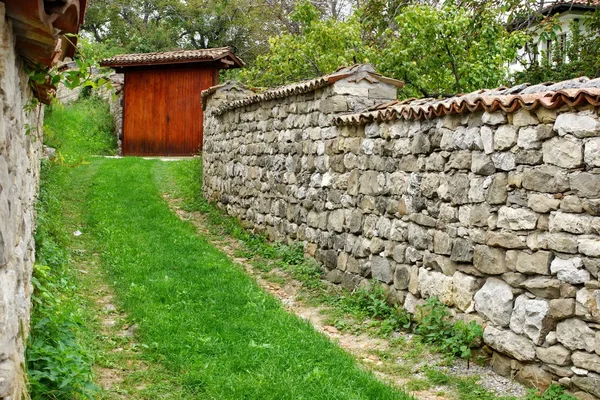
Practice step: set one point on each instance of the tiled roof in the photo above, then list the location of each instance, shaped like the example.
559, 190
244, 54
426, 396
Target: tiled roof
566, 5
574, 93
174, 57
361, 72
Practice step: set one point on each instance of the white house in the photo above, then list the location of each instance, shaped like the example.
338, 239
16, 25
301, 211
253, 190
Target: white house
566, 11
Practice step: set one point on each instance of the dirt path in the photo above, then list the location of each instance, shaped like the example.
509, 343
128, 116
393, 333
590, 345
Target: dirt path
402, 365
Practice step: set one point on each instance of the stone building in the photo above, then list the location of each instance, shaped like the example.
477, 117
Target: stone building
489, 201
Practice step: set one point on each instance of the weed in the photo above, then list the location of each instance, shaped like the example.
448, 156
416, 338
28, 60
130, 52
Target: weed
435, 327
418, 385
554, 392
58, 366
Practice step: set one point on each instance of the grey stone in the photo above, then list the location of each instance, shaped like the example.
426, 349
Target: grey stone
545, 179
531, 318
535, 376
573, 223
592, 152
587, 304
563, 152
487, 139
571, 204
404, 275
535, 263
505, 137
588, 361
528, 138
497, 192
506, 240
465, 287
516, 219
557, 355
590, 384
576, 124
542, 203
462, 250
436, 284
509, 343
524, 118
574, 334
543, 287
504, 161
589, 247
490, 260
585, 184
493, 118
381, 270
442, 243
570, 270
495, 301
482, 164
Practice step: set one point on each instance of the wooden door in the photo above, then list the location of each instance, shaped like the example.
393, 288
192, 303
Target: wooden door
163, 111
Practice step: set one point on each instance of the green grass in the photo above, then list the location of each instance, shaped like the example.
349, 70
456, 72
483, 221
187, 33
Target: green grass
202, 317
80, 129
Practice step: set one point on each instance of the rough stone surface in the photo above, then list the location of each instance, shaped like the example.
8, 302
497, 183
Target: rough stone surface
557, 355
509, 343
19, 175
575, 334
531, 317
495, 301
477, 209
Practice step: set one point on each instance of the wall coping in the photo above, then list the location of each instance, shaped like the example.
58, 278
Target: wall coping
355, 74
573, 93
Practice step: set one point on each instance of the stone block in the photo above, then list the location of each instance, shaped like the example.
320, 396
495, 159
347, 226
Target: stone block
504, 161
570, 270
531, 317
404, 275
536, 263
506, 240
465, 287
494, 118
587, 304
505, 137
589, 383
592, 152
524, 118
543, 287
562, 308
436, 284
578, 125
542, 203
563, 152
533, 375
516, 219
482, 164
589, 247
545, 179
509, 343
490, 260
572, 223
585, 184
588, 361
575, 334
557, 355
495, 301
381, 269
462, 250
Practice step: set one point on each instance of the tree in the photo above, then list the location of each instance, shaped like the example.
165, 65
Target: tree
449, 49
320, 47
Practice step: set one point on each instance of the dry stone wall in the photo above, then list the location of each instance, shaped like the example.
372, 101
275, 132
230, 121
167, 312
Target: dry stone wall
19, 175
497, 214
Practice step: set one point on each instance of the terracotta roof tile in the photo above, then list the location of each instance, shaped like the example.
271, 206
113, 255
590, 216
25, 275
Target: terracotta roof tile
574, 93
173, 57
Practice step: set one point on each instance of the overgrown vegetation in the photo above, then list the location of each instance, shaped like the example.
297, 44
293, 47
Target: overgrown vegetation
80, 130
59, 367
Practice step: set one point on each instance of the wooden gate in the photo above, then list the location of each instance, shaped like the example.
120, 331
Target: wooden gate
163, 111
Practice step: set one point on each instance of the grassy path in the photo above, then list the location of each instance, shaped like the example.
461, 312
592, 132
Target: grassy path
199, 317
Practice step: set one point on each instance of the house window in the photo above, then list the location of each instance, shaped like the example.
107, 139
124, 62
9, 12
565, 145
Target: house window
549, 50
562, 43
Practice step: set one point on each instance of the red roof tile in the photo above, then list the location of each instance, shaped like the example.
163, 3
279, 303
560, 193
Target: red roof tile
573, 93
174, 57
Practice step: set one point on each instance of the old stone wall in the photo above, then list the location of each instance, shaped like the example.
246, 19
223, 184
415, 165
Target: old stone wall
19, 175
495, 213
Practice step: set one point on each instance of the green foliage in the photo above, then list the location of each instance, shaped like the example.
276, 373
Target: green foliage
580, 57
554, 392
435, 327
58, 366
448, 50
81, 129
320, 47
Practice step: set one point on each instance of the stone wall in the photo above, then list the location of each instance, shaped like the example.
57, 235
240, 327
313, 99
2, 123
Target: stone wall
19, 175
496, 213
